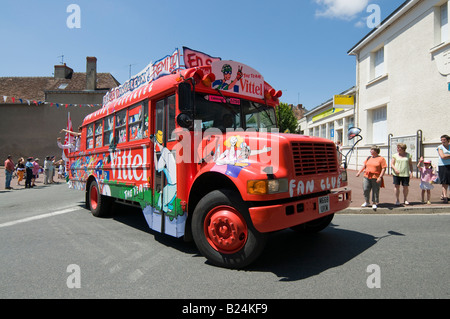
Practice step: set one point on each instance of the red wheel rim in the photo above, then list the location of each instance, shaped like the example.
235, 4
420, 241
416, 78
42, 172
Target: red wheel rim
94, 198
225, 229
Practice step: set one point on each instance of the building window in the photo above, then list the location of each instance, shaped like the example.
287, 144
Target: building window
444, 22
378, 65
379, 125
323, 131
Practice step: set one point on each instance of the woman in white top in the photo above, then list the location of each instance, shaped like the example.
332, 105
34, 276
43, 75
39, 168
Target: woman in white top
444, 165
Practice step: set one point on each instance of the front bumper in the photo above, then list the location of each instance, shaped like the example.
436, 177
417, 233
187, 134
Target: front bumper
281, 216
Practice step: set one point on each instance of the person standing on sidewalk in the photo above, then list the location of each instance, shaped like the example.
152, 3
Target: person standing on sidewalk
36, 169
20, 170
426, 177
374, 167
9, 170
444, 166
402, 167
29, 170
46, 170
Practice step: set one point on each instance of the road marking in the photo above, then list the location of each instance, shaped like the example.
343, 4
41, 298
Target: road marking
29, 219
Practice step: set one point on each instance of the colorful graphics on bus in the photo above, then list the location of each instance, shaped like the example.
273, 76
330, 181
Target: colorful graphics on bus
123, 174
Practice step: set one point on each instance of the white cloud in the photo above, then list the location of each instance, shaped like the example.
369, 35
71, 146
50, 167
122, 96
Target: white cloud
341, 9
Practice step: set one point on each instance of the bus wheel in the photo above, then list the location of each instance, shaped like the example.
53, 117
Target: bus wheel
314, 226
223, 231
100, 205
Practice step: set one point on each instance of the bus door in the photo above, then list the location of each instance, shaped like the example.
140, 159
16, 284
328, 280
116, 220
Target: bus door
166, 207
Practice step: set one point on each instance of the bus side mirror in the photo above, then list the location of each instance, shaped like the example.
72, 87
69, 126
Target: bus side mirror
185, 97
353, 132
185, 120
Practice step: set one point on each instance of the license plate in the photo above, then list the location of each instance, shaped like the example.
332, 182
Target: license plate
324, 204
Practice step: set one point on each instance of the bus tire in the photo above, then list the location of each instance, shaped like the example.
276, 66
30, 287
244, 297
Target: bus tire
99, 204
314, 226
223, 231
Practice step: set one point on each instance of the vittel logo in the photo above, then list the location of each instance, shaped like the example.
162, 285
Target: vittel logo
129, 164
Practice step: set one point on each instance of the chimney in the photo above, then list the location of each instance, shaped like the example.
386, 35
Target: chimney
63, 72
91, 73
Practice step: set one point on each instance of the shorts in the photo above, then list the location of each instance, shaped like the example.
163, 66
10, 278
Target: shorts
401, 180
444, 174
426, 186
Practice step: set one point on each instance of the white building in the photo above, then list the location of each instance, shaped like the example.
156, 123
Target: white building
402, 91
403, 81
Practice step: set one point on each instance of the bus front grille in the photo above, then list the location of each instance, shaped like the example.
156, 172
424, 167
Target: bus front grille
314, 158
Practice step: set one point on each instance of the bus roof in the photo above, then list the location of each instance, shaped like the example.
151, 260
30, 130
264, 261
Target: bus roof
204, 77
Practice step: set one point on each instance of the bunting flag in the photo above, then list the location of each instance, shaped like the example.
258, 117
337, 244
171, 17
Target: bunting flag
38, 103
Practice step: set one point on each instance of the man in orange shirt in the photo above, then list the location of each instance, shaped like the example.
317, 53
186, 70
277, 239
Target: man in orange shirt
374, 167
9, 170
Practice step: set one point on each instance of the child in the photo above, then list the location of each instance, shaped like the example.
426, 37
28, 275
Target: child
426, 177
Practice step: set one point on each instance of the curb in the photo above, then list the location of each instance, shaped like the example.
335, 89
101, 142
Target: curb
396, 211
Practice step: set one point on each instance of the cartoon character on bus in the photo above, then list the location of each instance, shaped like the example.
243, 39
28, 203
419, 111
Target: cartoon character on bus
225, 83
166, 164
236, 156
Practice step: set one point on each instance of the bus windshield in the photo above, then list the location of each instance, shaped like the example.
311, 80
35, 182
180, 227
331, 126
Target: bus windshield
220, 112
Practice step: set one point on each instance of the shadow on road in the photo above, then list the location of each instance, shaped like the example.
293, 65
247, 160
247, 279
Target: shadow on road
288, 254
293, 256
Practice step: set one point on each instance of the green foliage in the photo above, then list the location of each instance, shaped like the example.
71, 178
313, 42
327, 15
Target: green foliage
286, 119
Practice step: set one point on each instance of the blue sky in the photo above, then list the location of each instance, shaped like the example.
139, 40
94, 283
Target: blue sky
299, 46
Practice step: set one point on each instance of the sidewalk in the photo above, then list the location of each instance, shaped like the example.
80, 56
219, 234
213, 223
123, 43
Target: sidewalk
39, 181
387, 196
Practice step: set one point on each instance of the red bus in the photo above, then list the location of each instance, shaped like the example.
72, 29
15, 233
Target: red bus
198, 150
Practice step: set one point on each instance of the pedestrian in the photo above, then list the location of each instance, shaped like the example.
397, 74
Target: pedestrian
402, 167
374, 168
46, 170
29, 172
77, 136
339, 151
9, 170
61, 169
444, 166
36, 169
69, 146
51, 170
20, 170
427, 175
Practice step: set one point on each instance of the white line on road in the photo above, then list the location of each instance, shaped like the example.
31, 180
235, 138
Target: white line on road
29, 219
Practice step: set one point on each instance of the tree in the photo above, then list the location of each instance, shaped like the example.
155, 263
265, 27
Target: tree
285, 118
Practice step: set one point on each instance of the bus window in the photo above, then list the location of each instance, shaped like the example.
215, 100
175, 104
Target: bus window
145, 132
99, 134
213, 111
90, 137
121, 126
135, 122
108, 133
171, 118
159, 116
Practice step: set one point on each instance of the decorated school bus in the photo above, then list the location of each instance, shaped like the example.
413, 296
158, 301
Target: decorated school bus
197, 148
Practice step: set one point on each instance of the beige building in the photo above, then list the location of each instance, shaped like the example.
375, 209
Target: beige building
33, 110
403, 81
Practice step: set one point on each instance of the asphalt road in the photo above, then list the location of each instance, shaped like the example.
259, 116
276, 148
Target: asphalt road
52, 247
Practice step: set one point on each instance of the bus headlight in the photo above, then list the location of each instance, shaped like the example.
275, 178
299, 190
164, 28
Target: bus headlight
262, 187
